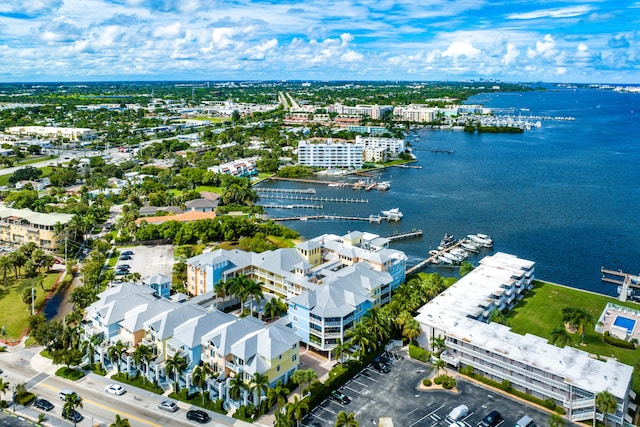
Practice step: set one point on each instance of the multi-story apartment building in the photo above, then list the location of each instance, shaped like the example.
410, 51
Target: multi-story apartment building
330, 155
241, 168
372, 111
132, 315
356, 271
71, 134
377, 149
21, 226
568, 376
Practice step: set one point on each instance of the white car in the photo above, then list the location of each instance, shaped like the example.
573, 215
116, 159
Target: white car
114, 389
458, 412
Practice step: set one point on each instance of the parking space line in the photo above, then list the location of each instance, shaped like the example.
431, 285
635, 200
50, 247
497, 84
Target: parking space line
358, 382
320, 418
428, 415
353, 390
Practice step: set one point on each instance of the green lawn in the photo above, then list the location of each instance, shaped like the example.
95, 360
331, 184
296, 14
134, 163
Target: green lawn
210, 188
13, 312
541, 311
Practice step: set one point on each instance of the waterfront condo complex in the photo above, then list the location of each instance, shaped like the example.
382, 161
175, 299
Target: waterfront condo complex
568, 376
349, 274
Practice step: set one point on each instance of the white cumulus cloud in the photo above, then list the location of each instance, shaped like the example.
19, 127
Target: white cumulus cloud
461, 48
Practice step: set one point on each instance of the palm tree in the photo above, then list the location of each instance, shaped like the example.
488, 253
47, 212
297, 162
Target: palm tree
115, 352
359, 335
28, 297
340, 350
377, 325
176, 364
411, 330
560, 336
143, 353
274, 308
439, 364
346, 420
236, 386
555, 420
120, 422
279, 394
438, 344
71, 401
200, 376
582, 319
254, 290
302, 377
296, 409
4, 386
5, 266
260, 384
607, 404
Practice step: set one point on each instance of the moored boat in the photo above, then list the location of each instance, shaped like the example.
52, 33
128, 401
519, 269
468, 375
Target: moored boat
481, 239
393, 214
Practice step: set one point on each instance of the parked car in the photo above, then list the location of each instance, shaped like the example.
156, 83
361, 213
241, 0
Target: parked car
125, 257
72, 415
65, 392
492, 419
458, 412
198, 416
339, 397
380, 367
123, 267
167, 405
122, 272
116, 389
129, 253
43, 404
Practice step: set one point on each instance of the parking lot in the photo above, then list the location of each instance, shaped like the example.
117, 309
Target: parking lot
395, 394
149, 260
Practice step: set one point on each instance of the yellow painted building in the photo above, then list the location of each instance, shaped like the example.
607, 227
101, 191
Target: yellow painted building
22, 226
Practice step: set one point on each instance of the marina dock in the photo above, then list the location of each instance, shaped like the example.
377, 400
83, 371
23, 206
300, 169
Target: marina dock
312, 198
408, 235
370, 218
286, 190
431, 260
625, 281
295, 206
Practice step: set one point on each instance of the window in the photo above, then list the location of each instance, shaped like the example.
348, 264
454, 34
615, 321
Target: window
294, 357
278, 368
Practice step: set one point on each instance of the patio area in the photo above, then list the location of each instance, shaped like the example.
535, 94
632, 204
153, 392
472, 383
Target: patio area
621, 322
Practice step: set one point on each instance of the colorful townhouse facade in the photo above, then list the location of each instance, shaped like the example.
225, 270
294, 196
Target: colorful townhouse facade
134, 315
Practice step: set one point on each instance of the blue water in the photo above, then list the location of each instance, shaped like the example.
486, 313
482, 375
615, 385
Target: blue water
566, 195
624, 322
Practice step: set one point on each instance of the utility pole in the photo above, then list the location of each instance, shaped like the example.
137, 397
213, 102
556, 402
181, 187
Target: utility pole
33, 301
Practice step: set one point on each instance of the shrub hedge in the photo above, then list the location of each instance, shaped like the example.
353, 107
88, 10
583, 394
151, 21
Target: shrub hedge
547, 403
609, 339
426, 382
418, 353
70, 373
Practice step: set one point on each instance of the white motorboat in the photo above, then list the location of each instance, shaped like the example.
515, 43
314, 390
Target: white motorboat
481, 239
455, 259
469, 246
383, 186
393, 214
444, 260
460, 252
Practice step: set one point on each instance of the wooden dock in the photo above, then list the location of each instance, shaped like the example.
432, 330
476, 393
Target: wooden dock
618, 277
285, 196
285, 190
419, 266
400, 236
295, 206
370, 218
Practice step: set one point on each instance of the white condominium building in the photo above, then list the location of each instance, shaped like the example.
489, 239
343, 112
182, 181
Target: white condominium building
373, 111
568, 376
330, 155
394, 146
72, 134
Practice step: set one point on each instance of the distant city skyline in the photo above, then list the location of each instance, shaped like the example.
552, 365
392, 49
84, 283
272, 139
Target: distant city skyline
103, 40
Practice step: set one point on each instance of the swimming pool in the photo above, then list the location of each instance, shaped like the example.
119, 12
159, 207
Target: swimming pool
626, 323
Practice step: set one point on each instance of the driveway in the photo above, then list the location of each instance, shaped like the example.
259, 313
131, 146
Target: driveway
395, 394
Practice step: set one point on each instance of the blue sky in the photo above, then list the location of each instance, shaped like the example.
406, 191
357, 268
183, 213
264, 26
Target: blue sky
89, 40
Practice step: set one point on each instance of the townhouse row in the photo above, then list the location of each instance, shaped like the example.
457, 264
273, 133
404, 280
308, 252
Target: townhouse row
570, 377
135, 315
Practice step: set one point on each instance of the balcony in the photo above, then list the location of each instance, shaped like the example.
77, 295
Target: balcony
234, 367
451, 360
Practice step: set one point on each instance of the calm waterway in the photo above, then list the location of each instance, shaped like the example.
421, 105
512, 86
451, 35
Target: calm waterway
566, 195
